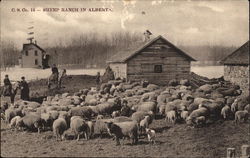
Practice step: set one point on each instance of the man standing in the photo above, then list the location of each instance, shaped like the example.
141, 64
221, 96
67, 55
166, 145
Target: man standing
24, 89
55, 72
7, 86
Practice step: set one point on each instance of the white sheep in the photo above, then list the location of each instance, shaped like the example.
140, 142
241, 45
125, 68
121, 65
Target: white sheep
225, 112
151, 135
144, 123
241, 116
14, 121
184, 115
171, 116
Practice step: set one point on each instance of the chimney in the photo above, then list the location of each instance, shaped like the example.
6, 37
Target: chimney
147, 34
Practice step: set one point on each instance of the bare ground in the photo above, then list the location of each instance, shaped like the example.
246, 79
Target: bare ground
172, 140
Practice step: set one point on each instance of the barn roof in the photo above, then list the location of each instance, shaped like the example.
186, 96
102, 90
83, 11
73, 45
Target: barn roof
129, 53
239, 57
25, 46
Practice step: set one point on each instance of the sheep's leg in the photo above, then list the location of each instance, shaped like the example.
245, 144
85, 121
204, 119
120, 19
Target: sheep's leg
85, 135
117, 141
38, 130
78, 136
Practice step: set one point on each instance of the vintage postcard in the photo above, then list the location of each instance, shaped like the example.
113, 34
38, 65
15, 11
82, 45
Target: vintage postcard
124, 78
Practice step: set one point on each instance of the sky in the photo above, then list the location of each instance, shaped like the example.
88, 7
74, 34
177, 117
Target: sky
185, 22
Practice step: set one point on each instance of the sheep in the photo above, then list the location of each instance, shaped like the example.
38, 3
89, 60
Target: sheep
197, 113
200, 121
100, 127
31, 121
147, 106
225, 112
109, 107
12, 112
14, 121
151, 135
59, 126
241, 116
122, 119
234, 106
139, 115
144, 124
115, 114
247, 108
54, 114
99, 117
171, 116
47, 119
85, 112
90, 128
184, 115
123, 129
78, 125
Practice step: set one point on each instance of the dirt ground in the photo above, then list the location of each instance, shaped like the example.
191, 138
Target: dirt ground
177, 140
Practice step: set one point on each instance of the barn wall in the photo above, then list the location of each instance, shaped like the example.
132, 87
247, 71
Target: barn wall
174, 65
238, 75
120, 69
29, 61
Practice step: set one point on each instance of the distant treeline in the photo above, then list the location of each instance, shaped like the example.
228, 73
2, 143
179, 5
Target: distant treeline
208, 52
92, 49
9, 54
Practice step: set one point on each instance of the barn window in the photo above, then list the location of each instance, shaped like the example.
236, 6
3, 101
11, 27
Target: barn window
26, 53
158, 69
36, 62
35, 52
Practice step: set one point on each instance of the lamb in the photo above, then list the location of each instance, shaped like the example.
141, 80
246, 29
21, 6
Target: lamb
234, 106
241, 116
225, 112
78, 125
144, 124
59, 126
197, 113
123, 129
14, 121
151, 135
171, 116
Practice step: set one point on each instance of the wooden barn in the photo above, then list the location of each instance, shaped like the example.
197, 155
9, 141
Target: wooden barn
236, 67
156, 61
33, 56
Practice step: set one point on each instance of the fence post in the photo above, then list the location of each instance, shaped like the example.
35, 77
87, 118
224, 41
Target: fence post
230, 152
245, 151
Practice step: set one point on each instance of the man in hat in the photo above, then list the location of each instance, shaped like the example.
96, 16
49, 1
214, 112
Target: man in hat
24, 89
7, 86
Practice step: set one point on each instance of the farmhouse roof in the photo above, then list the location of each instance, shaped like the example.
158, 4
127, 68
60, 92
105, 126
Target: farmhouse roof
239, 57
25, 46
125, 55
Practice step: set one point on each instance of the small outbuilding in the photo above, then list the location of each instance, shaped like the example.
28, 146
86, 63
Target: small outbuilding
157, 61
33, 56
236, 67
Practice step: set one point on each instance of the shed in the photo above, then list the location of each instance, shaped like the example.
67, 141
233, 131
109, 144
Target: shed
236, 67
33, 56
157, 61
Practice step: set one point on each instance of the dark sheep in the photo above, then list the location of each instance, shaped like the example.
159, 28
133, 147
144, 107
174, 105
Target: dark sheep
124, 129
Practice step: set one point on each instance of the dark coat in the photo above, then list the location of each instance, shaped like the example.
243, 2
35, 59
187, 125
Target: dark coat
24, 90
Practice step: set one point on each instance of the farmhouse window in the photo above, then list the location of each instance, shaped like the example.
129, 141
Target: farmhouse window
35, 52
26, 53
158, 68
36, 62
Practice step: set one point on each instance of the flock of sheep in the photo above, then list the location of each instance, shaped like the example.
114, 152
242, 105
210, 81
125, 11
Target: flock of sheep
126, 110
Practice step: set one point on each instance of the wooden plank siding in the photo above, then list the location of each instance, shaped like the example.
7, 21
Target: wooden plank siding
174, 65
